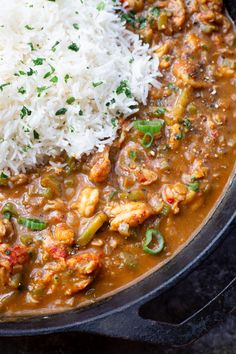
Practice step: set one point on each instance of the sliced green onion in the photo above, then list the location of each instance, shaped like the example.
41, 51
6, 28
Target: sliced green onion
150, 234
32, 224
9, 208
147, 140
149, 126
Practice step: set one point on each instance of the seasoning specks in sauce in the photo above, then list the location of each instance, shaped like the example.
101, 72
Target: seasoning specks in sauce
72, 230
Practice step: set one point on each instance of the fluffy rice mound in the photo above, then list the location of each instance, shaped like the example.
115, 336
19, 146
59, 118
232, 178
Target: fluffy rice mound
68, 70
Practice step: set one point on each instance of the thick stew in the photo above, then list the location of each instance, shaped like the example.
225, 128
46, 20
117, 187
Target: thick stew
72, 231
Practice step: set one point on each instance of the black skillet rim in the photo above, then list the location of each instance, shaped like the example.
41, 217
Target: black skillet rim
215, 229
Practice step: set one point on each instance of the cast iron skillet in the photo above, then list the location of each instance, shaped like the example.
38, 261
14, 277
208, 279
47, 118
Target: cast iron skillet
118, 315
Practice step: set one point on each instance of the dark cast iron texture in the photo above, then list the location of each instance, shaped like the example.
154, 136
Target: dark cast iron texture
118, 315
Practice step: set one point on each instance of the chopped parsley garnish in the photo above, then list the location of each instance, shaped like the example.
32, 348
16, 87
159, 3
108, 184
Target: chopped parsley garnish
24, 112
131, 60
194, 186
41, 89
132, 154
3, 175
54, 79
28, 27
76, 26
49, 73
114, 122
61, 111
38, 61
111, 102
31, 46
187, 123
81, 112
67, 77
20, 73
129, 18
98, 83
70, 100
4, 85
172, 86
101, 6
53, 49
155, 11
36, 134
166, 58
142, 22
30, 72
21, 90
74, 47
179, 136
124, 88
160, 111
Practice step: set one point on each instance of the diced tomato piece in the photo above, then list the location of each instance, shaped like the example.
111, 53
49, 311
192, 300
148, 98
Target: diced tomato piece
17, 254
58, 251
170, 200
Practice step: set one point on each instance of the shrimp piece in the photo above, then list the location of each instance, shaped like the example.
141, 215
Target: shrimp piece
84, 268
198, 170
101, 166
64, 234
187, 71
178, 11
124, 216
69, 276
87, 202
6, 230
145, 176
174, 194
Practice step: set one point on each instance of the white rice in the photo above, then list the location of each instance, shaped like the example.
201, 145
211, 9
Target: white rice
103, 55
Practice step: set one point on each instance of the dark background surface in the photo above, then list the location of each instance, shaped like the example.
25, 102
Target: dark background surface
190, 294
177, 304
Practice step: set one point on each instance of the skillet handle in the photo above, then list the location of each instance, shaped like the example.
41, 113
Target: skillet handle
128, 324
